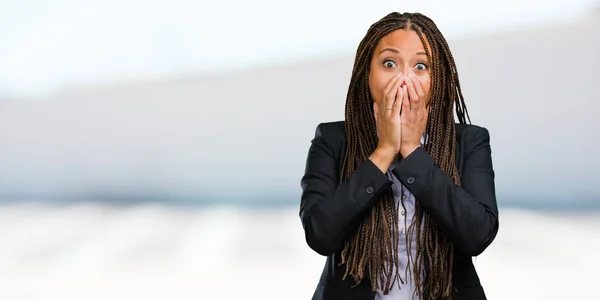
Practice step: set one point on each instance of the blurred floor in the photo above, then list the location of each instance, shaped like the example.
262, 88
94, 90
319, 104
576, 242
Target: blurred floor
93, 251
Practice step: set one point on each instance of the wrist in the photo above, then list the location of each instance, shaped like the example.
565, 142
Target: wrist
385, 153
408, 149
383, 158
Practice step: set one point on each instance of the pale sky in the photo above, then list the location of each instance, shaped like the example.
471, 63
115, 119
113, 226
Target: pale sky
47, 45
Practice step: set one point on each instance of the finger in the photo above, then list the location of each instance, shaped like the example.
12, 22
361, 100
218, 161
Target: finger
422, 102
397, 108
393, 94
390, 96
390, 84
387, 89
412, 91
405, 101
419, 88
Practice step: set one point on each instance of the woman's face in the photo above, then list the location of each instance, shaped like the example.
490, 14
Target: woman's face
401, 51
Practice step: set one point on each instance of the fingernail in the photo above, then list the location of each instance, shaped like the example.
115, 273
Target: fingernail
399, 75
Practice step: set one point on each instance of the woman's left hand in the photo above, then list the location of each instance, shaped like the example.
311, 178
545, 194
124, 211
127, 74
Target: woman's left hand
413, 116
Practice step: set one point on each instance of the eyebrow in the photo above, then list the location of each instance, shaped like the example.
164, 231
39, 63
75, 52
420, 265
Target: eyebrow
398, 51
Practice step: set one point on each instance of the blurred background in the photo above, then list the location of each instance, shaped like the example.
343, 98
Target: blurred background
154, 149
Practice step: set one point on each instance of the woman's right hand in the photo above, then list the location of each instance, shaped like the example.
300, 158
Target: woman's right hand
387, 115
387, 118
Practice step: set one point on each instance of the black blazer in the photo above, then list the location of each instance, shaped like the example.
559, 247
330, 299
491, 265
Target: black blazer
330, 212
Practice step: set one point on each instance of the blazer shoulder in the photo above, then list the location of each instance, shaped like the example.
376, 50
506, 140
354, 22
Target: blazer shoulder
470, 134
333, 132
331, 136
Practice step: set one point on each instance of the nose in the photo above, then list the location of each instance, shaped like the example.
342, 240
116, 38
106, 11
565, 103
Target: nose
405, 69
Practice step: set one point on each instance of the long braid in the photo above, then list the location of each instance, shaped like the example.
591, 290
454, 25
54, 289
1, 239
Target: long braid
376, 242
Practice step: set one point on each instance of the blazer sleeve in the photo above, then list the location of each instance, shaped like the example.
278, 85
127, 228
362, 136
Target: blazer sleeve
468, 213
331, 211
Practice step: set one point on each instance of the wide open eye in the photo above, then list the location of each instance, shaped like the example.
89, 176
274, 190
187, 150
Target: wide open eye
421, 66
388, 63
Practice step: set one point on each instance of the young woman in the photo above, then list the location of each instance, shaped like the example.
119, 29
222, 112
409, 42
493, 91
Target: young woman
400, 196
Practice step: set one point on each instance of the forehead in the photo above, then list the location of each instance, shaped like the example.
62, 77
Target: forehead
402, 39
